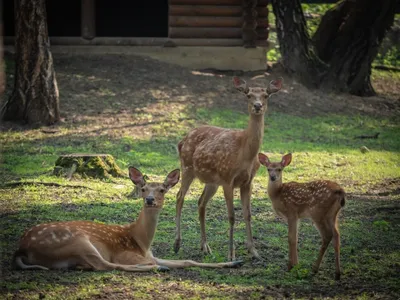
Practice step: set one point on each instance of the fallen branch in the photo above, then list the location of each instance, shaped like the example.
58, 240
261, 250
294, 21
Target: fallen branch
374, 136
18, 183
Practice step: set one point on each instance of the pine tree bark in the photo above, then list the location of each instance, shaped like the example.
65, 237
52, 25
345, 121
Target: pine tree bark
340, 55
35, 96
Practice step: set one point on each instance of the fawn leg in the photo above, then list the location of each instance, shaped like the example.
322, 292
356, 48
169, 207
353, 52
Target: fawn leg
325, 230
187, 179
228, 193
292, 238
190, 263
336, 245
245, 194
208, 192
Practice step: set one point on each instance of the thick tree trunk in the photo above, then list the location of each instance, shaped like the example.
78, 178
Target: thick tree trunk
348, 38
343, 48
295, 45
35, 96
2, 71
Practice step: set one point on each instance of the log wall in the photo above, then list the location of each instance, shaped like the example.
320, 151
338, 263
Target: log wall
214, 19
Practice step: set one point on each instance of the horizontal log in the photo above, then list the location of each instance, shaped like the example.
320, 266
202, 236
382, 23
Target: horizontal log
262, 33
212, 10
205, 10
205, 32
184, 21
191, 21
137, 41
215, 2
208, 42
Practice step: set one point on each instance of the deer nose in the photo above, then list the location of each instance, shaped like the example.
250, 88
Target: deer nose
149, 200
257, 106
273, 177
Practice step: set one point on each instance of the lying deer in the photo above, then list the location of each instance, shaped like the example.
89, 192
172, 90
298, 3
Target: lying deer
93, 246
319, 200
228, 158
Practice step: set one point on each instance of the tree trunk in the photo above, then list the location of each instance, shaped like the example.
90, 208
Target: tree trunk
2, 72
348, 38
35, 96
343, 48
295, 45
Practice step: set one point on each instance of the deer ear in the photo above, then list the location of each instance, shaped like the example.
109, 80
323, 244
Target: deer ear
172, 178
240, 85
286, 159
263, 159
275, 85
136, 176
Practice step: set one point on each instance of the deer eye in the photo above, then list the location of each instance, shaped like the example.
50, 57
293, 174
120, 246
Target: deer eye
143, 190
162, 191
248, 96
279, 170
269, 170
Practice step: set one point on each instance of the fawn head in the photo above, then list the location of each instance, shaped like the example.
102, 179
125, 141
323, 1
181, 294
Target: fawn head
153, 193
257, 96
275, 168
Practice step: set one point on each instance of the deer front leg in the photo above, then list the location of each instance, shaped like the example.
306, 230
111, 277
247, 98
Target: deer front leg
245, 194
292, 238
228, 193
187, 179
208, 192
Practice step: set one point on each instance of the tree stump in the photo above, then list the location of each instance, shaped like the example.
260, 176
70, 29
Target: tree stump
87, 165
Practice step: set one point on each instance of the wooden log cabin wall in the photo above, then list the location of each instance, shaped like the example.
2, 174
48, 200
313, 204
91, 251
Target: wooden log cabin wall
157, 22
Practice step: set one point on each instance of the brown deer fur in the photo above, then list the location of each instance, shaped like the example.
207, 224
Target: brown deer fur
89, 245
319, 200
227, 158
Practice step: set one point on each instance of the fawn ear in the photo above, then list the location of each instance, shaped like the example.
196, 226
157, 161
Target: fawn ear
263, 159
240, 85
172, 178
136, 176
286, 159
275, 85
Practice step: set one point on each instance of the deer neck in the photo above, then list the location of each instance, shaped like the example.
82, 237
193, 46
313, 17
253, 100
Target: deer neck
254, 135
274, 187
144, 229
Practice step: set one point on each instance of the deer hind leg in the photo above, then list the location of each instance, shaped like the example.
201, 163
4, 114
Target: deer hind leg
293, 240
187, 179
208, 192
85, 254
245, 194
190, 263
228, 193
325, 230
336, 245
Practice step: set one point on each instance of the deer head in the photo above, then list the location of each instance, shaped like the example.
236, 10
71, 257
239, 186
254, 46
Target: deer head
257, 96
153, 193
275, 168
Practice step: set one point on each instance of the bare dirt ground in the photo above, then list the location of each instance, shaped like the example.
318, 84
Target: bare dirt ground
120, 84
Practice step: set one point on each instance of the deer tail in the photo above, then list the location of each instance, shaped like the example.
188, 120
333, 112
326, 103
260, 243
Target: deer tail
341, 196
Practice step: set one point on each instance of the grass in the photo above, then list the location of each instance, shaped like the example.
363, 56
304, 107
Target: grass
322, 147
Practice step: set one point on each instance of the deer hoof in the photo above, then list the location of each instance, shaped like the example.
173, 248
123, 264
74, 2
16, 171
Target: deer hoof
177, 246
337, 276
162, 269
205, 248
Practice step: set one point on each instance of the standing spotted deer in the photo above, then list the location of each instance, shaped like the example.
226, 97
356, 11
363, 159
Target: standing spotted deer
93, 246
227, 158
319, 200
